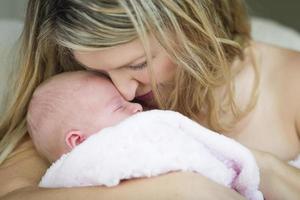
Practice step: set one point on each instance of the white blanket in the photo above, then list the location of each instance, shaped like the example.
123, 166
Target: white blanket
153, 143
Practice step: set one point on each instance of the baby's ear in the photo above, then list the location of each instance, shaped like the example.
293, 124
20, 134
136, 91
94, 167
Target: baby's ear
74, 138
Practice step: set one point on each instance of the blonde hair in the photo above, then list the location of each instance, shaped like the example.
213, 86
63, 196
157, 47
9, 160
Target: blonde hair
202, 37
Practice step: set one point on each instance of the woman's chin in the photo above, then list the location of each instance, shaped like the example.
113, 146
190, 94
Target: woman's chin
149, 107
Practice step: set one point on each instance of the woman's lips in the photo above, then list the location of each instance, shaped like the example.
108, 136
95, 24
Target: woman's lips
146, 97
147, 101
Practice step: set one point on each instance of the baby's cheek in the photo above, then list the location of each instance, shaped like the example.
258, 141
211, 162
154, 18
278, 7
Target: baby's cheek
113, 119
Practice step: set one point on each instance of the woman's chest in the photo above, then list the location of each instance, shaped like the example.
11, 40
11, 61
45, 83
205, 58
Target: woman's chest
272, 137
270, 128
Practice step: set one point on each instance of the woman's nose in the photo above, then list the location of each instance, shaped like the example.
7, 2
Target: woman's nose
125, 84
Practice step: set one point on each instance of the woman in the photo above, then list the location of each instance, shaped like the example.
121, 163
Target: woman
192, 56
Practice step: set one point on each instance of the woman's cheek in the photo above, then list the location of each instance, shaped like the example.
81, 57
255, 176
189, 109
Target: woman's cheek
165, 70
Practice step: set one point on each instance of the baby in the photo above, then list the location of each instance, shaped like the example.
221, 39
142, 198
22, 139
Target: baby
115, 141
68, 108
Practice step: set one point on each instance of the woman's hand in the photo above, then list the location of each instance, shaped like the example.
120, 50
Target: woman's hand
278, 180
185, 186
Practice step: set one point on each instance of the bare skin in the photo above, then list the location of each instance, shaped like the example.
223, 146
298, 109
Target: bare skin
273, 127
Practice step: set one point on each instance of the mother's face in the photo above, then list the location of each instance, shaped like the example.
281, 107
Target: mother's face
126, 66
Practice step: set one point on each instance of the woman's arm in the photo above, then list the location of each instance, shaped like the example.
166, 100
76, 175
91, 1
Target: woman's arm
279, 180
161, 187
175, 186
22, 171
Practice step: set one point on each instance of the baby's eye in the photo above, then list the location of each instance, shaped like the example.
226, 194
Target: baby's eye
139, 66
119, 108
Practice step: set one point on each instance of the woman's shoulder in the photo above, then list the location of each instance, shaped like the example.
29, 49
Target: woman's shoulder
281, 74
278, 55
291, 84
271, 126
25, 147
280, 70
23, 167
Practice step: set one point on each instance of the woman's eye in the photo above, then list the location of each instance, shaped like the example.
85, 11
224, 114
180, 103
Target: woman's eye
139, 66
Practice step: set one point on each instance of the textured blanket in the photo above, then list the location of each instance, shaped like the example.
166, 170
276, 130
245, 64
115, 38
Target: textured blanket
152, 143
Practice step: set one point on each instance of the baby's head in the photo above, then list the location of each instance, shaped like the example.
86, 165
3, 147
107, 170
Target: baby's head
71, 106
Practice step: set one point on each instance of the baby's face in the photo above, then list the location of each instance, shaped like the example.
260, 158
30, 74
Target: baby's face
104, 105
80, 104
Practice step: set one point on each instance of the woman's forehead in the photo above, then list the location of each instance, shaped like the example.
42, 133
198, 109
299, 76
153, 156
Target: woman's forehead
113, 57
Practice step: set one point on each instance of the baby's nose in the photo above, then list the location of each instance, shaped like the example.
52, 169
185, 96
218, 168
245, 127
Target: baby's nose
137, 108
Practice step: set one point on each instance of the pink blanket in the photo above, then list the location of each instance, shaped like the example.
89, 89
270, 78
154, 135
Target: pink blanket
153, 143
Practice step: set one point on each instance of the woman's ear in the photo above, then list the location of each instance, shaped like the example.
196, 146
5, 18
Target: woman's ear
74, 138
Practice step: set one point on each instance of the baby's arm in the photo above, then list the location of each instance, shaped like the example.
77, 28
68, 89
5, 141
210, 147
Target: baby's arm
21, 173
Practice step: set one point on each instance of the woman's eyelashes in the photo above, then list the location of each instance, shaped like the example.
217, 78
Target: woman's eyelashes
138, 66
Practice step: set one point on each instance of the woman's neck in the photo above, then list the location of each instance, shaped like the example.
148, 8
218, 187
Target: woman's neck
246, 76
